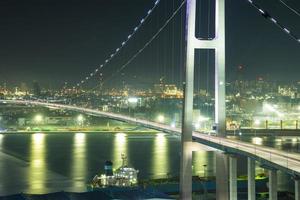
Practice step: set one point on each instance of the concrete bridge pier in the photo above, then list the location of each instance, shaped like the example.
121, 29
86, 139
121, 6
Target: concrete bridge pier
251, 178
222, 189
272, 184
233, 177
297, 188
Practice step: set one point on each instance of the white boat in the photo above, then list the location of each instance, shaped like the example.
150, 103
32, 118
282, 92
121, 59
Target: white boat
124, 176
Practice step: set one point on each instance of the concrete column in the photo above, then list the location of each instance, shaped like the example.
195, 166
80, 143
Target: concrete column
233, 178
222, 187
251, 179
187, 117
272, 184
297, 188
220, 103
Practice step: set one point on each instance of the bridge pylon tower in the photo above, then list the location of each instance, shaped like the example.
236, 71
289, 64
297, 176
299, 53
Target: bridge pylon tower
192, 44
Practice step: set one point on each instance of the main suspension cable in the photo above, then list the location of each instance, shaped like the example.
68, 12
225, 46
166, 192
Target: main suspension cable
290, 8
266, 15
149, 41
117, 50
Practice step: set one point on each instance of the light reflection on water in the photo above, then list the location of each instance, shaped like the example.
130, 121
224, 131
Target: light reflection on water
161, 163
84, 155
1, 163
79, 160
203, 163
1, 140
289, 144
37, 175
119, 148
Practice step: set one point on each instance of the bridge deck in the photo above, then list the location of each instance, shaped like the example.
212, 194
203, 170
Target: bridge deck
270, 157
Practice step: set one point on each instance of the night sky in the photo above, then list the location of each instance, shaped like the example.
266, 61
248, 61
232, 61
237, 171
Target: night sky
54, 41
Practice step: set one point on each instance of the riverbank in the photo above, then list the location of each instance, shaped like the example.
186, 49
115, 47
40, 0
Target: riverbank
79, 131
76, 129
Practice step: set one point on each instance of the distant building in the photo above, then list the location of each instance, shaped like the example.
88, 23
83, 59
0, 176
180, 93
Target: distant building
167, 91
287, 91
36, 89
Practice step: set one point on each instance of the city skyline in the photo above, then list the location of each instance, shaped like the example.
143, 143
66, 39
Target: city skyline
56, 42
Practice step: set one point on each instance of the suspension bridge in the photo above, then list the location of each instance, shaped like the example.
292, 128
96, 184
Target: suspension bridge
227, 149
267, 157
277, 159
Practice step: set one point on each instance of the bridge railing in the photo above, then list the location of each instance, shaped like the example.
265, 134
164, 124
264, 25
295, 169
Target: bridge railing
284, 159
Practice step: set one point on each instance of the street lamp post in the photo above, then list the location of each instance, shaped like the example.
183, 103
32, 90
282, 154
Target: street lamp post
204, 171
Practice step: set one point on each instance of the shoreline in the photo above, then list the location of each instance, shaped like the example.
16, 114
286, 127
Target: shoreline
79, 131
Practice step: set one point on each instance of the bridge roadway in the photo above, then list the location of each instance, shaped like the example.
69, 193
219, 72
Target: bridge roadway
268, 157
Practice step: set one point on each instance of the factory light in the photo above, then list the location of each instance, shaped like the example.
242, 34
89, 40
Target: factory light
160, 118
